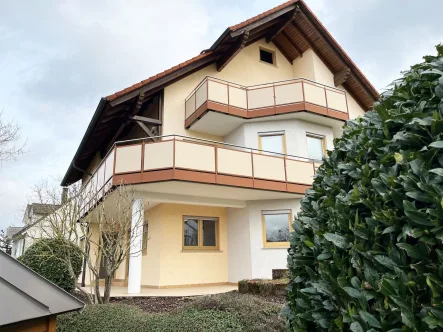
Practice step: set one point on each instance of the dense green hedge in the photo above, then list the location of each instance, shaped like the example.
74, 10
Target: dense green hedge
366, 252
219, 313
49, 258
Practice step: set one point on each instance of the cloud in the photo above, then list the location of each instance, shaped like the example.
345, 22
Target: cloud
57, 58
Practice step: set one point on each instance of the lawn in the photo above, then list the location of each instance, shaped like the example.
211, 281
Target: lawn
215, 313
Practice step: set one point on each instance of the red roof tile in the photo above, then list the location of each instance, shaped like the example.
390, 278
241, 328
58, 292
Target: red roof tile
256, 18
155, 77
232, 28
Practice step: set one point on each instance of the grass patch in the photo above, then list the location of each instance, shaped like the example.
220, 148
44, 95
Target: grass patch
217, 313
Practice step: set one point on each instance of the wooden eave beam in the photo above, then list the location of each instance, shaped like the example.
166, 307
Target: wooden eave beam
146, 130
342, 76
263, 20
312, 46
110, 118
116, 135
230, 54
282, 27
297, 50
139, 103
145, 119
333, 47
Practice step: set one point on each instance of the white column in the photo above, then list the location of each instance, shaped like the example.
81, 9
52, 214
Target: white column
135, 250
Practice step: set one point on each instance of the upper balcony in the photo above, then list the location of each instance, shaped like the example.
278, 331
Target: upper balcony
217, 107
202, 168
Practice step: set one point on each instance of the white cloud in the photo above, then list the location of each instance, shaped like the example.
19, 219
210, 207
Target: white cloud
57, 58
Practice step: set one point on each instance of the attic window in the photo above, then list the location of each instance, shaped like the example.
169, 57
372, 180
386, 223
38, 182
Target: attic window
267, 56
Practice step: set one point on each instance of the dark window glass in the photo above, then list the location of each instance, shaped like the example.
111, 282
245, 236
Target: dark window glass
267, 56
191, 233
209, 233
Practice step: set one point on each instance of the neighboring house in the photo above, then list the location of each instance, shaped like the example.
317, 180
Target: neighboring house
29, 302
240, 130
8, 241
23, 238
36, 211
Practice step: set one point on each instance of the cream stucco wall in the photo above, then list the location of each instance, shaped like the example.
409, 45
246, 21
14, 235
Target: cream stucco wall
151, 261
354, 108
167, 264
245, 69
310, 66
92, 167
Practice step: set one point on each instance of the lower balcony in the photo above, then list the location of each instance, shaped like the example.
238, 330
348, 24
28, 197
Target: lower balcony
188, 167
217, 107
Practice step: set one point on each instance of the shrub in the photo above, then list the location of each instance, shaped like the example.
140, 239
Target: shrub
255, 314
49, 258
366, 252
217, 313
263, 286
120, 317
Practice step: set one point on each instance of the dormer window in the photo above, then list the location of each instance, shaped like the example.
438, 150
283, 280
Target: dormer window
267, 56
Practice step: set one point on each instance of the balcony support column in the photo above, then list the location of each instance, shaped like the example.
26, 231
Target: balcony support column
135, 249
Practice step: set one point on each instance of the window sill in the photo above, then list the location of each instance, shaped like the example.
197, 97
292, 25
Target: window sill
213, 251
276, 247
268, 64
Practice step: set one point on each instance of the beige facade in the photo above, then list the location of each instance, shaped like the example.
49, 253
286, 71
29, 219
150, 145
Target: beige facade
215, 165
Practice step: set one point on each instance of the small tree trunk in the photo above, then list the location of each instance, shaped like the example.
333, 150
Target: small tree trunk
107, 291
98, 297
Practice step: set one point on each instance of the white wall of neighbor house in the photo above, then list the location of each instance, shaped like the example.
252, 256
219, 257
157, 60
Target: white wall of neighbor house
264, 260
295, 134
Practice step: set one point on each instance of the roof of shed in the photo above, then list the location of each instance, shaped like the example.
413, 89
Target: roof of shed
26, 295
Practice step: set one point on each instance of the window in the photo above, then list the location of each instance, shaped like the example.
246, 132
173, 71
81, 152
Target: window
276, 228
272, 142
316, 146
200, 233
267, 56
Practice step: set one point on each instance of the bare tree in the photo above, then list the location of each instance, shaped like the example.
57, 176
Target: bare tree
9, 138
5, 243
100, 224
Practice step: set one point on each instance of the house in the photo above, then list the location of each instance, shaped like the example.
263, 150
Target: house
29, 302
15, 244
24, 237
36, 211
6, 241
221, 148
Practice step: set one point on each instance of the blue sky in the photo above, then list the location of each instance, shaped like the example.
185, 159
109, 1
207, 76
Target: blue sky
57, 58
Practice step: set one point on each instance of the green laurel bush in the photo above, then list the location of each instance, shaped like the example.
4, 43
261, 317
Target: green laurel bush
366, 252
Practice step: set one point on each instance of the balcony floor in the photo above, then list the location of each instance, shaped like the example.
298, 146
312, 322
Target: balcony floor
221, 124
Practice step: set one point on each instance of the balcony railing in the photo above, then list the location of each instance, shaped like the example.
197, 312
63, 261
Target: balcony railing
175, 157
265, 99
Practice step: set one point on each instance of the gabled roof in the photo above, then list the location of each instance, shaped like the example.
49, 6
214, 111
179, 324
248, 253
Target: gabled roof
292, 27
26, 295
44, 209
11, 231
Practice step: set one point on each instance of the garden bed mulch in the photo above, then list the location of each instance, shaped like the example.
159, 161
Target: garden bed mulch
170, 303
154, 304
